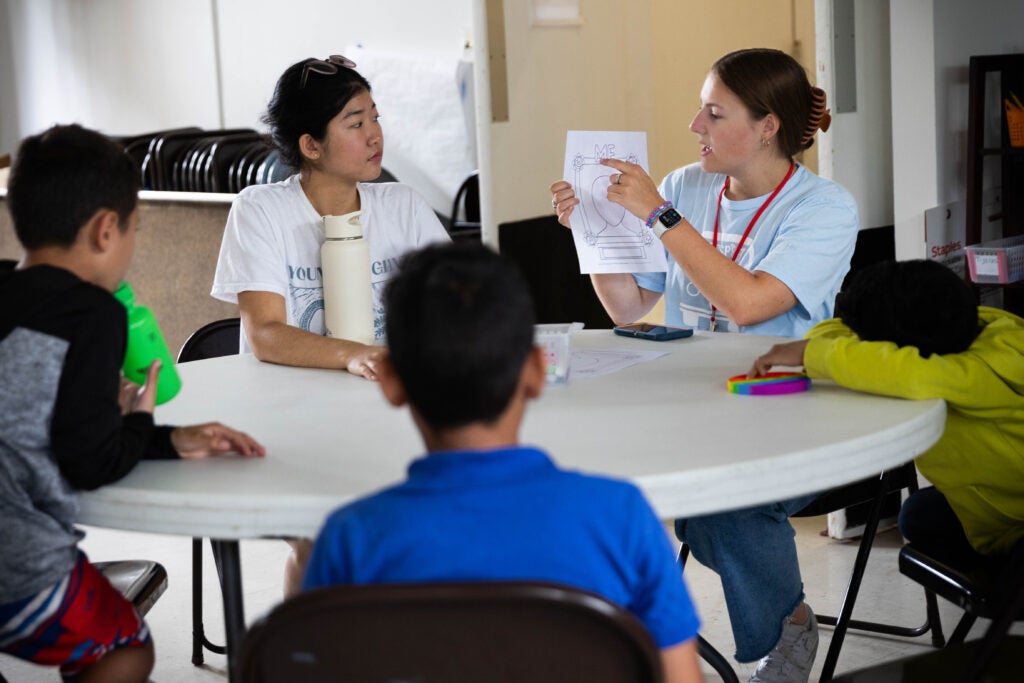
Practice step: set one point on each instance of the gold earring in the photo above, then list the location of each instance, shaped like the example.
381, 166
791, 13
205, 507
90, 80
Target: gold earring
765, 142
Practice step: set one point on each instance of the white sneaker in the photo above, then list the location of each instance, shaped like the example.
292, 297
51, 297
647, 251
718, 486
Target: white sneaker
791, 659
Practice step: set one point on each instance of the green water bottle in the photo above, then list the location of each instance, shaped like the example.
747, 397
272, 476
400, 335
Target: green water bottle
146, 344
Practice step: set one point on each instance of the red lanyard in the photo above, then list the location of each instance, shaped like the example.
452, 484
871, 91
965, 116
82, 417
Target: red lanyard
739, 245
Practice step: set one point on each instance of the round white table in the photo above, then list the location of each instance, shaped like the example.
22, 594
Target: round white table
668, 424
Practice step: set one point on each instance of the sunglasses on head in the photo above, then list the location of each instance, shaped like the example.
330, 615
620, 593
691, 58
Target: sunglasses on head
325, 67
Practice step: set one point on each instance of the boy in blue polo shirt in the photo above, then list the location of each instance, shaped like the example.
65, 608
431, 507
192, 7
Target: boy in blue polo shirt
479, 506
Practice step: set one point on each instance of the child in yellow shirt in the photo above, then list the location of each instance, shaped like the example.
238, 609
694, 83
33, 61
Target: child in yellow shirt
913, 330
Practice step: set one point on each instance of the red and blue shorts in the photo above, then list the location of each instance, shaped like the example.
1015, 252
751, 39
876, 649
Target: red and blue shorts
71, 624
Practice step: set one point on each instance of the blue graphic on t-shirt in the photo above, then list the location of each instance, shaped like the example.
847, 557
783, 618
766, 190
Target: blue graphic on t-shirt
306, 320
308, 306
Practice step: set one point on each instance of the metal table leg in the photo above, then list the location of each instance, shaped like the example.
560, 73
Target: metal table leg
229, 569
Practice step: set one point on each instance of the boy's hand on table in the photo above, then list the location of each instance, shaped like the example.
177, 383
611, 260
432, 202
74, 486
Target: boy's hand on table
213, 438
790, 354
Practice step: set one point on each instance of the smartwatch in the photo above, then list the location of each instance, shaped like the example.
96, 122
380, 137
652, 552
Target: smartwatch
667, 219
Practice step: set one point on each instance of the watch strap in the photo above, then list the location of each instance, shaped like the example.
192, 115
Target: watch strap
659, 230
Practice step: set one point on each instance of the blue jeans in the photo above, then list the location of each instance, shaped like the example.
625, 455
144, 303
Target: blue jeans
753, 551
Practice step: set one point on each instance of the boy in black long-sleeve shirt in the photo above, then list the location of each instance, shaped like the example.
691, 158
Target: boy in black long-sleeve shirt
66, 421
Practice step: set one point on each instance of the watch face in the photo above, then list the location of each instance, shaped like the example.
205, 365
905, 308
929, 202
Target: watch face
669, 218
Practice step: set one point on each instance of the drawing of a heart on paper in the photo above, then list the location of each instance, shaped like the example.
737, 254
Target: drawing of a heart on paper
608, 238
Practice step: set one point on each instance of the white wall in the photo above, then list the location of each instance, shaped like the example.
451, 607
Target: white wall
134, 66
119, 66
915, 160
259, 38
857, 152
932, 42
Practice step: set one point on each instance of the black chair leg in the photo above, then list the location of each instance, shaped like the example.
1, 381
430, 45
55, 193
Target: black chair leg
199, 639
844, 620
997, 630
705, 650
933, 620
229, 571
859, 565
716, 661
962, 629
198, 636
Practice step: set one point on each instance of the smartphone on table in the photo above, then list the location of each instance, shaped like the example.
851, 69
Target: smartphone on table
653, 332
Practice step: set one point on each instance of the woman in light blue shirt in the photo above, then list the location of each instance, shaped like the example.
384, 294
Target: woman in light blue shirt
756, 243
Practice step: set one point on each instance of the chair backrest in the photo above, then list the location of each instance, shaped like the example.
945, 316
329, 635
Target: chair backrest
465, 220
450, 633
546, 255
212, 340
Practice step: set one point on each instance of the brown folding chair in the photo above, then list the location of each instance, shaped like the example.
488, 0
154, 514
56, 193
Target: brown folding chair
450, 633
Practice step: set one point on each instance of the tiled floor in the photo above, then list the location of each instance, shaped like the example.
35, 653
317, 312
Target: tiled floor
826, 563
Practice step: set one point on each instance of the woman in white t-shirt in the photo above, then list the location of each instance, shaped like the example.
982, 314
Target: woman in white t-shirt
325, 124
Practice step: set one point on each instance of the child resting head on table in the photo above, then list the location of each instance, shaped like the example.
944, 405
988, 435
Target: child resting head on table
912, 329
68, 420
479, 506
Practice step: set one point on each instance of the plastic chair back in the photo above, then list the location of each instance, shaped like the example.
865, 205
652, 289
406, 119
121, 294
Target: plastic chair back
212, 340
450, 633
465, 221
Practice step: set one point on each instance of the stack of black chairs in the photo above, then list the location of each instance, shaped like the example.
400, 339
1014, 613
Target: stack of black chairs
196, 160
229, 160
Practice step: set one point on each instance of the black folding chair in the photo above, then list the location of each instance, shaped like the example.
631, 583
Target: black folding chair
873, 491
213, 340
994, 591
465, 220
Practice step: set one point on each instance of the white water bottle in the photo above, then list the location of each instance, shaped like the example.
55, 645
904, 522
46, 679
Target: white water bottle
348, 292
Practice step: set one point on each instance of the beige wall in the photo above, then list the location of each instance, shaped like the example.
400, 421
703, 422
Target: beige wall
172, 270
688, 37
635, 65
596, 76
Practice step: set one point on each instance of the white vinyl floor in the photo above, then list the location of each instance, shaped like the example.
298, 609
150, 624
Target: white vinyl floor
826, 564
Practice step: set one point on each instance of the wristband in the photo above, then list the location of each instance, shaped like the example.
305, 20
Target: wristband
657, 212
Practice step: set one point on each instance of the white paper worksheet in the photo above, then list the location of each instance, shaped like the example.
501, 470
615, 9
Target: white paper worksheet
608, 238
598, 362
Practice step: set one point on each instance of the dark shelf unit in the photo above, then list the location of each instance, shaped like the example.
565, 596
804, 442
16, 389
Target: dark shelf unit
1011, 78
